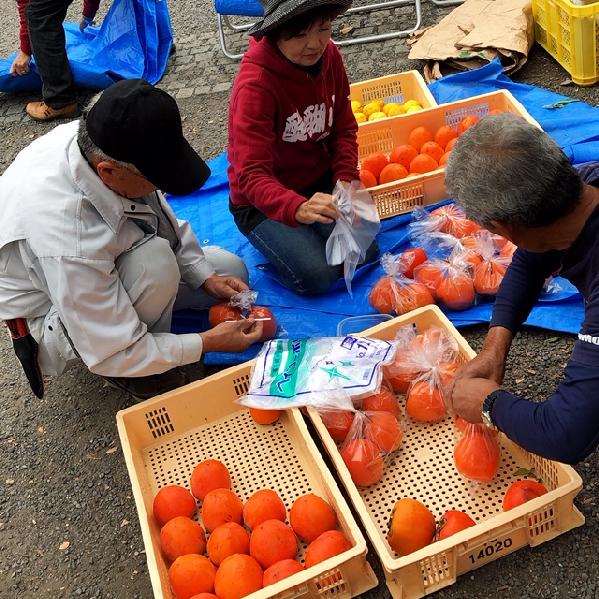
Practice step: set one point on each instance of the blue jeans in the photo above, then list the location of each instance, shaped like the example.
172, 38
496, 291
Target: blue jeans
298, 254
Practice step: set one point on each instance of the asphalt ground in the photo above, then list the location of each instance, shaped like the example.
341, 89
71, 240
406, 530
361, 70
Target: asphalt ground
68, 523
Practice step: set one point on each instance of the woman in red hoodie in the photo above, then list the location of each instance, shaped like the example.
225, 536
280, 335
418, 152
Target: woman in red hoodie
292, 136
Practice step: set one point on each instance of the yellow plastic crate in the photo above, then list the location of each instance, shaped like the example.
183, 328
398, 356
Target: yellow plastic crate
423, 469
399, 197
400, 88
570, 33
165, 437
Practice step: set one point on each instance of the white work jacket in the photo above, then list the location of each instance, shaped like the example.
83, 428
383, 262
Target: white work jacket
61, 231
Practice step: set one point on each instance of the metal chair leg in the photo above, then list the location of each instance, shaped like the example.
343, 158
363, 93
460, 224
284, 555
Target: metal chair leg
447, 2
221, 39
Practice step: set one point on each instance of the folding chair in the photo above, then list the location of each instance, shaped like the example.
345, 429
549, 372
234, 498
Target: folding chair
252, 8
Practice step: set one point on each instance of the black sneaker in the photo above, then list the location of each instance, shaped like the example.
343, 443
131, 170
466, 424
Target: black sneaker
145, 387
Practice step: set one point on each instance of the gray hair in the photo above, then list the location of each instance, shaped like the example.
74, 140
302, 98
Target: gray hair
506, 169
93, 153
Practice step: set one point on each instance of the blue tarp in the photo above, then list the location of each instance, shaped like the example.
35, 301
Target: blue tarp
575, 127
134, 40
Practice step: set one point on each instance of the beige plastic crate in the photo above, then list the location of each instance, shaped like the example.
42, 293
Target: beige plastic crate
399, 197
165, 437
400, 88
423, 469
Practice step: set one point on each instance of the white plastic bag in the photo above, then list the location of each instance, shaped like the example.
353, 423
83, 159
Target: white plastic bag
355, 229
323, 372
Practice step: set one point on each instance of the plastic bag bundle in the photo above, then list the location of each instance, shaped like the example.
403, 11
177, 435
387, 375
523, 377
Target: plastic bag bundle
394, 293
430, 357
447, 219
477, 453
244, 300
355, 229
449, 281
323, 372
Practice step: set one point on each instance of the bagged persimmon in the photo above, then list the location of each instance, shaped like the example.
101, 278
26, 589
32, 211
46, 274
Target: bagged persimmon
491, 270
362, 457
445, 219
426, 397
449, 281
477, 453
429, 357
394, 293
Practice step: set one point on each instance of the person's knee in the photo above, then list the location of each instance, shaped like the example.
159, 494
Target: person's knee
226, 264
315, 279
150, 270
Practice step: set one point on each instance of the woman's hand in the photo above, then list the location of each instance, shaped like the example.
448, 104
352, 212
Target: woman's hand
20, 65
320, 208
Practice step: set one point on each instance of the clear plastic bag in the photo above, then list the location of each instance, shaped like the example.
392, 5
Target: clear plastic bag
449, 281
395, 293
322, 372
355, 228
372, 437
477, 453
244, 300
447, 219
431, 355
491, 270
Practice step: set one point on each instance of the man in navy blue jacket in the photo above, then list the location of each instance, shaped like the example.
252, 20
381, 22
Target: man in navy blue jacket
511, 178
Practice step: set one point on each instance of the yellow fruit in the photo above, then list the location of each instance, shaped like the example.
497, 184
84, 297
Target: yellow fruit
371, 108
356, 105
390, 106
375, 116
410, 103
413, 109
360, 117
395, 110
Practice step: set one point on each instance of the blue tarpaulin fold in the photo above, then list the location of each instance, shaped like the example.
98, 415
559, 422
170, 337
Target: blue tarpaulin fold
575, 127
134, 40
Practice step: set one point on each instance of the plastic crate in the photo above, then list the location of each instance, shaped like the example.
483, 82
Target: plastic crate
165, 437
400, 88
399, 197
570, 33
423, 469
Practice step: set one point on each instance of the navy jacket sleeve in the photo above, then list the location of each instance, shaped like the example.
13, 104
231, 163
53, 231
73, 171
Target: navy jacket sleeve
565, 427
522, 286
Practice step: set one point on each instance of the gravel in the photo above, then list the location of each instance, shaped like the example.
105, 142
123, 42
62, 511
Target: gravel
68, 523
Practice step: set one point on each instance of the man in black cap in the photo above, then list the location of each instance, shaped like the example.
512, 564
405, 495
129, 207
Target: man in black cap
93, 260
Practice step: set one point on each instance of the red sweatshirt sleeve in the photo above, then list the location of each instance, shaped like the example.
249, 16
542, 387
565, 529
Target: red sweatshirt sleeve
90, 8
342, 142
251, 140
24, 42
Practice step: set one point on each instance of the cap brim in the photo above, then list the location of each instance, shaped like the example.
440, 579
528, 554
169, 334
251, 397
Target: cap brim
289, 9
179, 172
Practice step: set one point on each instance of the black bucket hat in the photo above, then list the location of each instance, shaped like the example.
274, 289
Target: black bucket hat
135, 122
277, 12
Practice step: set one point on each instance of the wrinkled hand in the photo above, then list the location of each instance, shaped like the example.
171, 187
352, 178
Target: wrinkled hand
223, 287
235, 336
468, 397
320, 208
20, 65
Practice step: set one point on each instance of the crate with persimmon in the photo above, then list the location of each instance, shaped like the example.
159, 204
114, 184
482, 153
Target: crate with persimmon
219, 515
453, 496
401, 159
